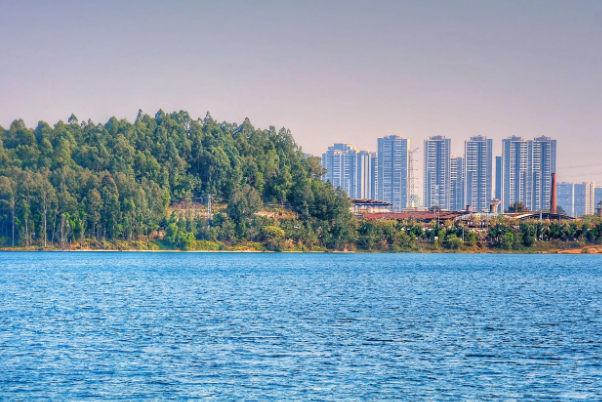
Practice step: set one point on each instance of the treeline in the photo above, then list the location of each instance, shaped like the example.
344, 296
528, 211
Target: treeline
115, 181
288, 234
113, 185
499, 233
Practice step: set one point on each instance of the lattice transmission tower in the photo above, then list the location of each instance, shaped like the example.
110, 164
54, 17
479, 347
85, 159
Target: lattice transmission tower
413, 197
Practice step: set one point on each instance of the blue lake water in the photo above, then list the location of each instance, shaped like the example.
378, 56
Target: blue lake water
185, 326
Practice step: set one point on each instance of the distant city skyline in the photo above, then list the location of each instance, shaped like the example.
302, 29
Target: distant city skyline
333, 72
523, 173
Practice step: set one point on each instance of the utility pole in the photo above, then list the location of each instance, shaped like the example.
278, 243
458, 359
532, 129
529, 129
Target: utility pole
437, 207
13, 216
209, 212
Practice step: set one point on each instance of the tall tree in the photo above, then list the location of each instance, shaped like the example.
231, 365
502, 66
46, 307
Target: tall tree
242, 205
46, 199
111, 212
8, 190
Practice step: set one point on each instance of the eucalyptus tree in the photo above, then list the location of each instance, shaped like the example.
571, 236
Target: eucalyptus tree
8, 194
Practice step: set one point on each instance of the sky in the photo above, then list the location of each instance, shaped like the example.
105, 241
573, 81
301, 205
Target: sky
330, 71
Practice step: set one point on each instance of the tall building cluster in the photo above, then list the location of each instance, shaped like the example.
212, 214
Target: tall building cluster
523, 174
526, 172
363, 174
349, 168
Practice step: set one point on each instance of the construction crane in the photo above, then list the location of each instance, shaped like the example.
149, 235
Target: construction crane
413, 197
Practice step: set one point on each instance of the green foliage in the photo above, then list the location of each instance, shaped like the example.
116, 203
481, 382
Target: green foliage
508, 241
452, 242
114, 181
179, 238
272, 232
528, 234
242, 205
204, 245
471, 239
273, 237
497, 232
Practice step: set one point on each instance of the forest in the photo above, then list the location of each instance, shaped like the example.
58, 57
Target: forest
85, 183
122, 185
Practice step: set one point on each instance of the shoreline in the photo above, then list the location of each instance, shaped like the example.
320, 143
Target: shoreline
592, 250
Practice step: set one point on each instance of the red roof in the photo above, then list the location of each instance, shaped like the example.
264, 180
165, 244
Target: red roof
417, 215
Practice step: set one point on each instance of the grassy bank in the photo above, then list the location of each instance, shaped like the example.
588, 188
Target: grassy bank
422, 247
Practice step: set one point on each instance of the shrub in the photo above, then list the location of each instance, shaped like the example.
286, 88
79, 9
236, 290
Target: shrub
528, 240
204, 245
452, 242
273, 236
472, 239
508, 241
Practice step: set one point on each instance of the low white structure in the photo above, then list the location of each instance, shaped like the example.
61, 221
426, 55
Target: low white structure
369, 206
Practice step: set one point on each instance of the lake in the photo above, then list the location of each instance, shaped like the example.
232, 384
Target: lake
240, 326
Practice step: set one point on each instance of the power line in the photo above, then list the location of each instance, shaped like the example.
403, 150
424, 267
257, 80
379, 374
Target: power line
580, 175
579, 166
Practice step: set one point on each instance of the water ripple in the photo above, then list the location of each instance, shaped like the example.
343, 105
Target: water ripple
147, 326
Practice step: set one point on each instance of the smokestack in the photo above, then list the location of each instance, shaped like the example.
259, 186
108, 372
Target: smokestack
553, 207
469, 208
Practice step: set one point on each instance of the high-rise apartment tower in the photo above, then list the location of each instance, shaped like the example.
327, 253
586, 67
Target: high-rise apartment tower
374, 179
544, 164
517, 172
393, 170
478, 169
597, 196
437, 160
566, 197
456, 178
584, 199
498, 177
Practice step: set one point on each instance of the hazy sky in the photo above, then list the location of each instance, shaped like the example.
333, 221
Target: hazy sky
331, 71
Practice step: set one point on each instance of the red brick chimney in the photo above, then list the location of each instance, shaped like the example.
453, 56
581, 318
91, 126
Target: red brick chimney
553, 208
